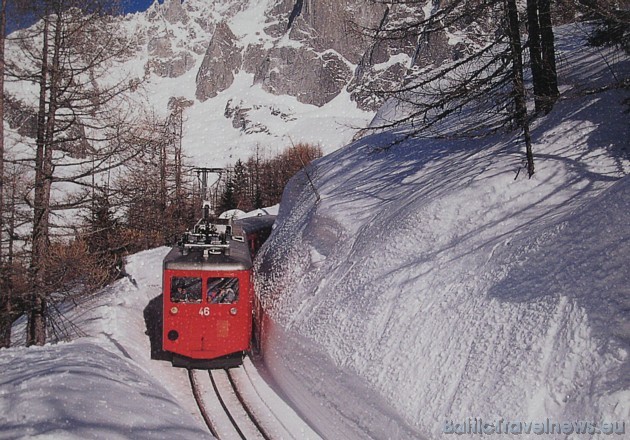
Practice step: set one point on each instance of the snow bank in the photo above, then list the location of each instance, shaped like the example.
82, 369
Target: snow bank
430, 282
105, 385
80, 390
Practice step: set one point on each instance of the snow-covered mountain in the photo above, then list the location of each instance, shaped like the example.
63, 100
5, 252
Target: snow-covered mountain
262, 72
310, 50
426, 282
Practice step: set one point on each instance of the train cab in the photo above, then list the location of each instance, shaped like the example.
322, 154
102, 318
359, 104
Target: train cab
208, 293
207, 302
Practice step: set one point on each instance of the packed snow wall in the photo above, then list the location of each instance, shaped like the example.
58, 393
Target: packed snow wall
430, 275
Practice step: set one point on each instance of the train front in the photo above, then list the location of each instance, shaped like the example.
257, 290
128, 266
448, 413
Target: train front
207, 304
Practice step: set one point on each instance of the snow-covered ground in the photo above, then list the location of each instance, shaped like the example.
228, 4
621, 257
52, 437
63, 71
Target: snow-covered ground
105, 385
427, 285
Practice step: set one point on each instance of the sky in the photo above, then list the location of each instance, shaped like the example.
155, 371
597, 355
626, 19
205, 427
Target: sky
136, 5
128, 6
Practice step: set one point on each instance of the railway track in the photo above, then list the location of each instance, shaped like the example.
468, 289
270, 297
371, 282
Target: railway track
237, 404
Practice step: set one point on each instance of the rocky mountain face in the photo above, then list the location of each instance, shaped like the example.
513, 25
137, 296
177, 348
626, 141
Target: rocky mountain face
328, 45
223, 58
309, 49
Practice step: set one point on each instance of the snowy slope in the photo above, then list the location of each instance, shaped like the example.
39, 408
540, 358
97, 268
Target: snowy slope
82, 390
103, 385
442, 286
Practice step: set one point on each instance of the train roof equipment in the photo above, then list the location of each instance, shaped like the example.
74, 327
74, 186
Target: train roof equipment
211, 245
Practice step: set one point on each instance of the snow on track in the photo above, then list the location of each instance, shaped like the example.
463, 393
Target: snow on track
277, 418
239, 404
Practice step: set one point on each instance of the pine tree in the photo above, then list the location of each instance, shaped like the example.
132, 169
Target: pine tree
228, 200
241, 185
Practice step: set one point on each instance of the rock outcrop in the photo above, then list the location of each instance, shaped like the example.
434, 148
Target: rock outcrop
330, 41
310, 49
223, 58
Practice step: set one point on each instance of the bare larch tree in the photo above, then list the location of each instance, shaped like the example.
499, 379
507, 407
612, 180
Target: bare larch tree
481, 90
83, 124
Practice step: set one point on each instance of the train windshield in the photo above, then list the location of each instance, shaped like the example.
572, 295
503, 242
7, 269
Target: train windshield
186, 289
222, 290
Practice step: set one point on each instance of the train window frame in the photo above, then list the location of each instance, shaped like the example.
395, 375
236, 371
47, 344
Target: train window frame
222, 284
189, 297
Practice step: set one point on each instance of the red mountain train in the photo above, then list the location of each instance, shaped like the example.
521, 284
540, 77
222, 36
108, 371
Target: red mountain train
208, 292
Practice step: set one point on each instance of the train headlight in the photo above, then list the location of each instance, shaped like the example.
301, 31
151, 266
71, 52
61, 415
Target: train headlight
174, 310
172, 335
233, 311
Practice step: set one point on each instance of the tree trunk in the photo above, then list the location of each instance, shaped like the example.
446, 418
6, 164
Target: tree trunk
5, 296
8, 312
161, 217
49, 85
516, 52
550, 73
542, 53
535, 53
178, 165
36, 320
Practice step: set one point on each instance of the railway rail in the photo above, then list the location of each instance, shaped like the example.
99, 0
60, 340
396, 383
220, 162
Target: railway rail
237, 404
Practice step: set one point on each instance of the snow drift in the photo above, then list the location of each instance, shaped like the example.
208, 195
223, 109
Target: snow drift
443, 285
81, 390
104, 385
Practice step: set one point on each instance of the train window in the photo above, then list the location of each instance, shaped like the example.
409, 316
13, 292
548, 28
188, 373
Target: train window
222, 290
186, 289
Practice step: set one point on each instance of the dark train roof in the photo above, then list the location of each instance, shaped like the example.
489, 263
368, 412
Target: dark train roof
238, 258
253, 224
